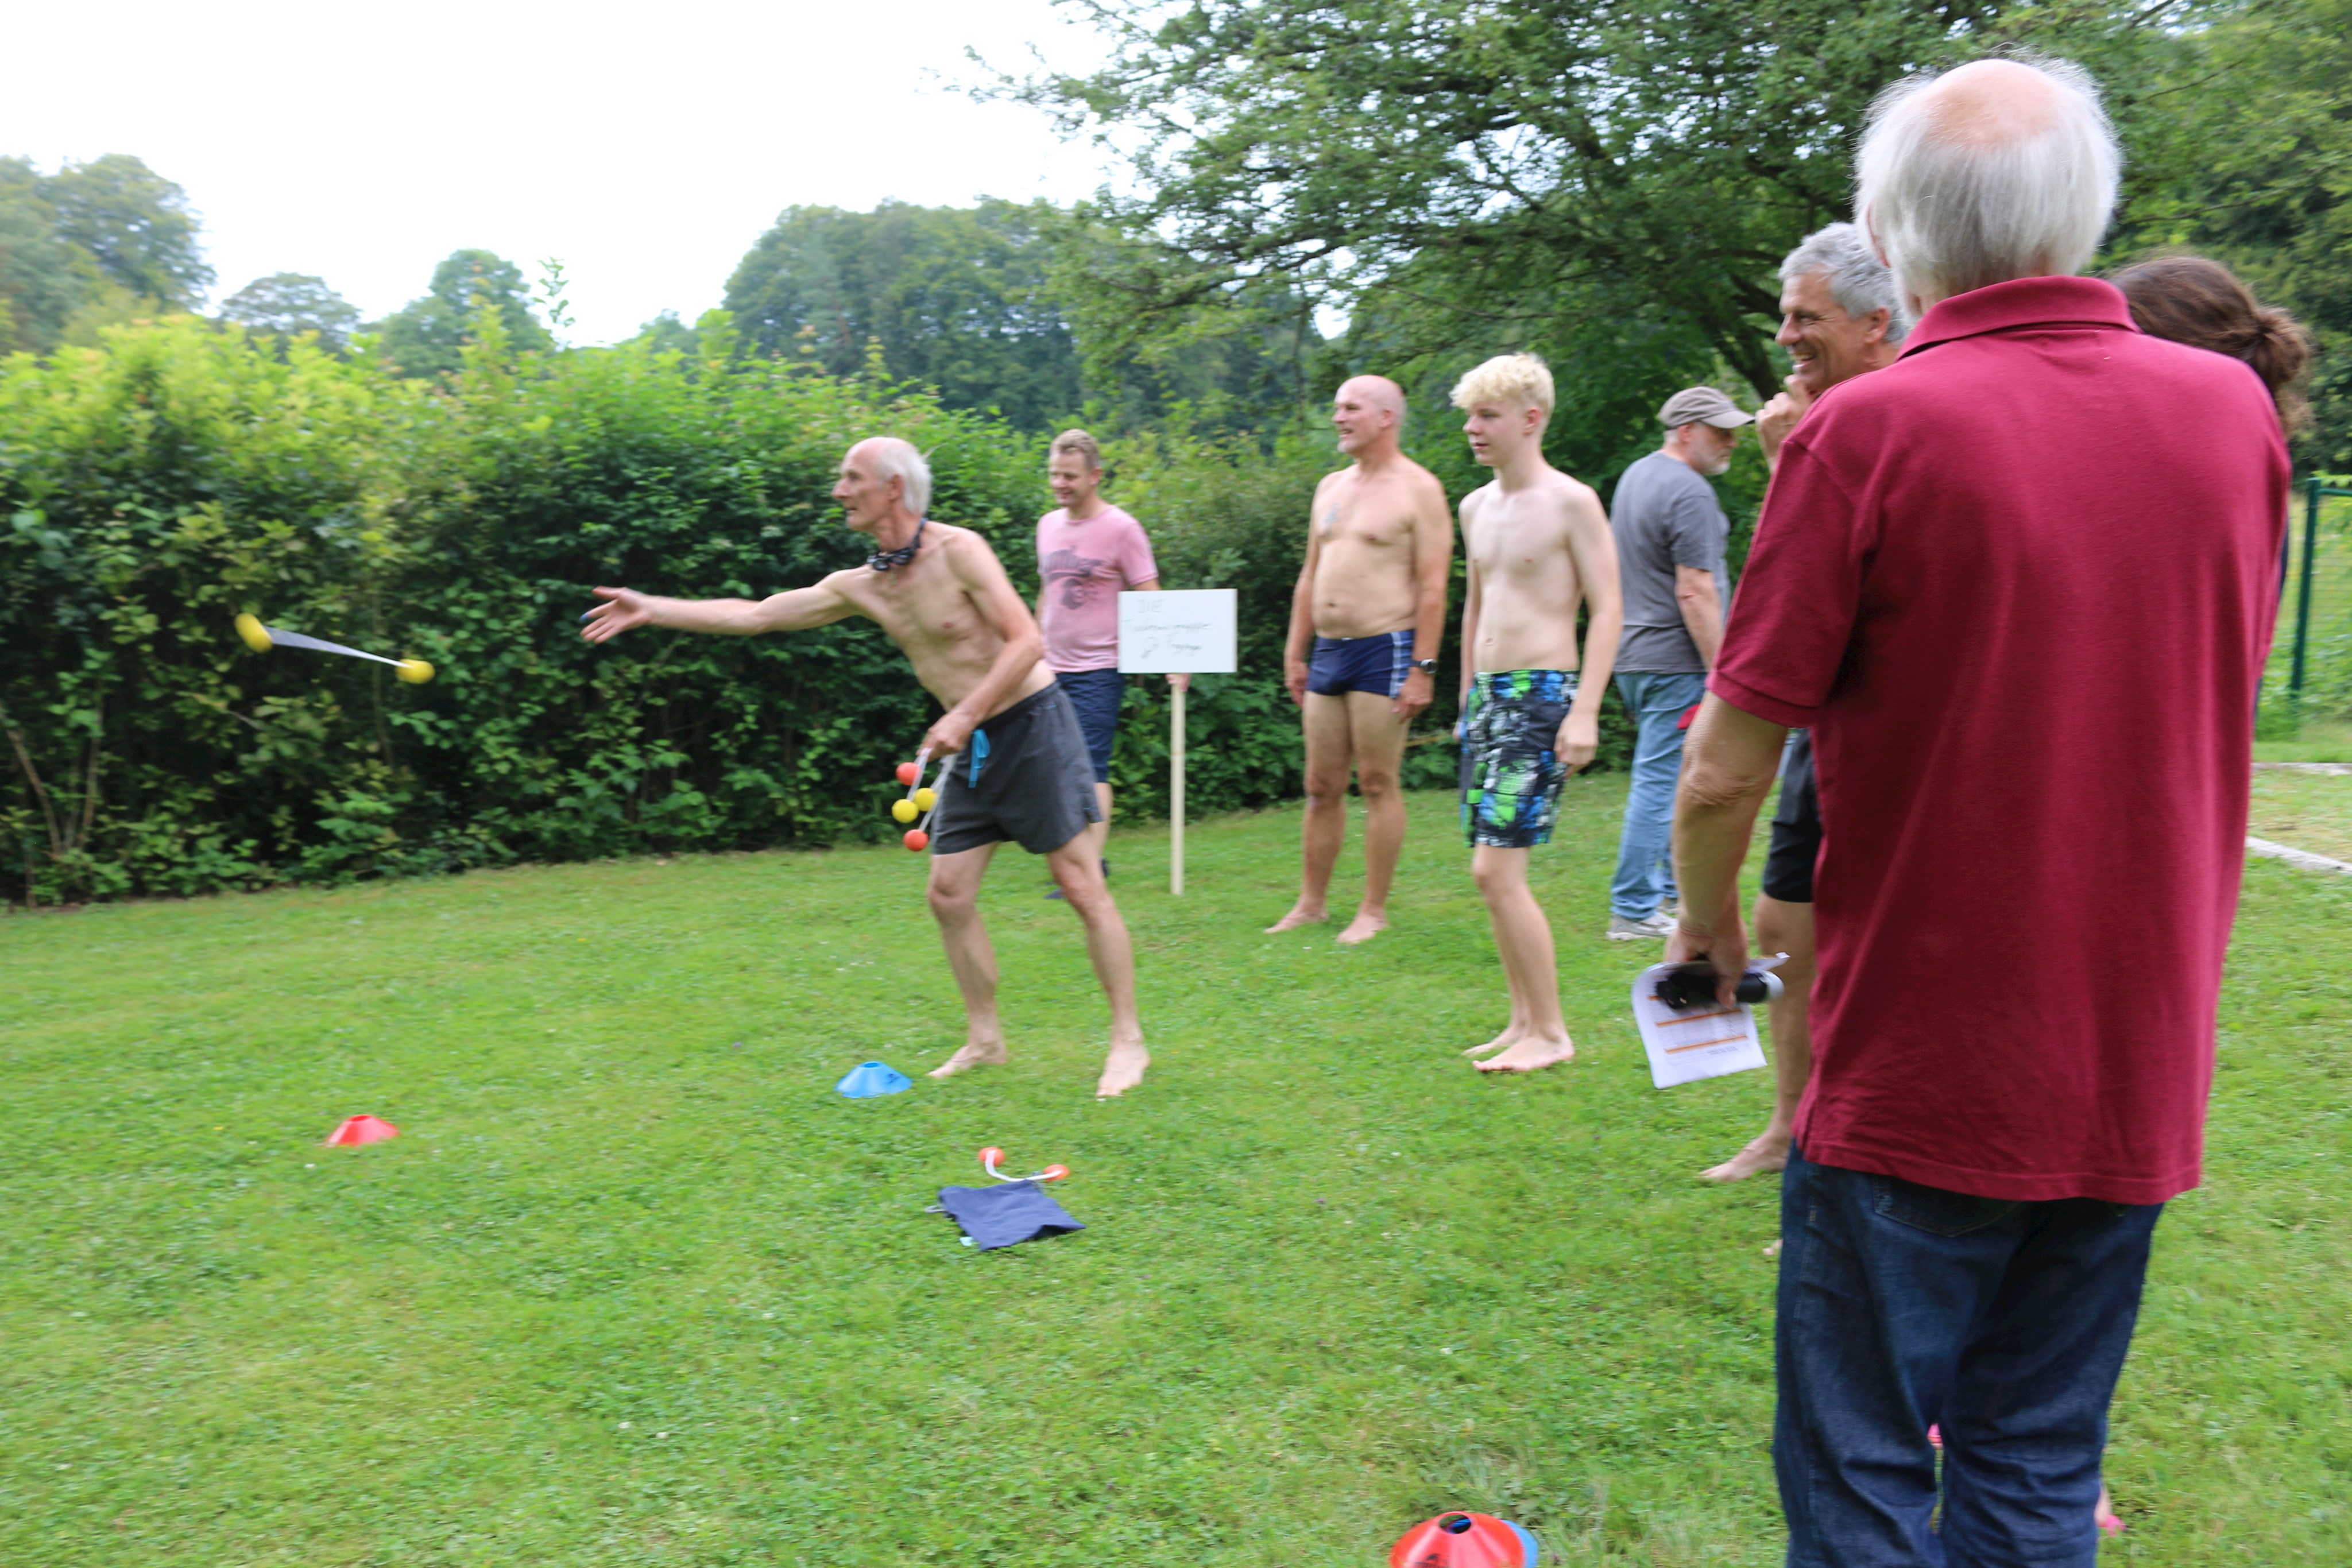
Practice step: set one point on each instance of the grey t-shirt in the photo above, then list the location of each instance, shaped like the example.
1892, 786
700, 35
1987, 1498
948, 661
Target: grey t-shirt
1664, 516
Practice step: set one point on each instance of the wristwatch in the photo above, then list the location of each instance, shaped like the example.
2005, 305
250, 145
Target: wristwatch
1426, 666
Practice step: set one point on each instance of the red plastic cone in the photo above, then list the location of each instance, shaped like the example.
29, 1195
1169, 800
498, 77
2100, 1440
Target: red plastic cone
1463, 1540
361, 1130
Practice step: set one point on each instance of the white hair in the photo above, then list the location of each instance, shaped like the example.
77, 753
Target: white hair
1971, 185
896, 459
1858, 281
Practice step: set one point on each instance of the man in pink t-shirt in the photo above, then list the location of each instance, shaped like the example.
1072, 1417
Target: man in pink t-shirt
1088, 553
2019, 583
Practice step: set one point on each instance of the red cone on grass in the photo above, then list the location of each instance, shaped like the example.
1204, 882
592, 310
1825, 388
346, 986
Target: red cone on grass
1462, 1540
361, 1130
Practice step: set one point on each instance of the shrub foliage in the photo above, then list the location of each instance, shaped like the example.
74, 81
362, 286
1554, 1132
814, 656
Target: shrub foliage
155, 487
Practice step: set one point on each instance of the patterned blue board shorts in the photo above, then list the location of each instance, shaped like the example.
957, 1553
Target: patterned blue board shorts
1511, 776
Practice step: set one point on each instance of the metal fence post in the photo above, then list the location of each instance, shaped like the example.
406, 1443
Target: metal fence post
2302, 594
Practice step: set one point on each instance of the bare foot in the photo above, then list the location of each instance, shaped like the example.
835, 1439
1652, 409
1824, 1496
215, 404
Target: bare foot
1362, 928
1122, 1068
1532, 1053
1767, 1151
1507, 1038
1299, 916
976, 1054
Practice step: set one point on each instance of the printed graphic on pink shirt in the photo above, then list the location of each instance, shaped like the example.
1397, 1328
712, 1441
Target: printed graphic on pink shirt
1074, 580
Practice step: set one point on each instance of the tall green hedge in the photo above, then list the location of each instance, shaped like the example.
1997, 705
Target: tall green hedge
152, 488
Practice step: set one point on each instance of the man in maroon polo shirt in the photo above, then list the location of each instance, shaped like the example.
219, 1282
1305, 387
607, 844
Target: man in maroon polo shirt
2020, 584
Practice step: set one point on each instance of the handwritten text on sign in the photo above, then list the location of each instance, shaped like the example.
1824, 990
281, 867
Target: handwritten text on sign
1182, 632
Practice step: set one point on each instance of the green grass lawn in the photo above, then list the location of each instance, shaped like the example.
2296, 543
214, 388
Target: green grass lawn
2310, 811
2317, 740
634, 1286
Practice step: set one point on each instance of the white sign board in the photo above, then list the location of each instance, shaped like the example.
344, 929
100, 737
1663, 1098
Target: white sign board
1177, 631
1686, 1045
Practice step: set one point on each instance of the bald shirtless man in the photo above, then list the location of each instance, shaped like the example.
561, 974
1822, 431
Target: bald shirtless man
1019, 768
1372, 601
1537, 545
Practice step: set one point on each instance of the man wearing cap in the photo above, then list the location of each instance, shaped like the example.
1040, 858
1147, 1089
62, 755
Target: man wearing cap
1670, 537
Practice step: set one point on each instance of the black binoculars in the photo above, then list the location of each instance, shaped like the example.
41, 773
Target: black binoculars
1693, 985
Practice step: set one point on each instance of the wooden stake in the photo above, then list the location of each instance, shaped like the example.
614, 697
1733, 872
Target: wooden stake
1176, 795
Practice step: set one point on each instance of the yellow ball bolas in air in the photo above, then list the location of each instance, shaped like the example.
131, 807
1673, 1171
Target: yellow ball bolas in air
926, 798
261, 639
902, 810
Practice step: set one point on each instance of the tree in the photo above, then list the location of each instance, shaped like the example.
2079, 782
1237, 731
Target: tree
93, 245
42, 279
135, 224
2260, 176
1470, 174
424, 337
667, 334
953, 296
285, 305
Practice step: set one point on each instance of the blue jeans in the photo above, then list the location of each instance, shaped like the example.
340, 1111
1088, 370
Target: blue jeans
1646, 867
2005, 1324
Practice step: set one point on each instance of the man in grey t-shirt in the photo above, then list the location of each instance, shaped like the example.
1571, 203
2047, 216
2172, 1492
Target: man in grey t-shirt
1670, 537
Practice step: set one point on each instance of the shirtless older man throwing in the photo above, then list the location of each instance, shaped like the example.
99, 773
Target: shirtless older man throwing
1537, 545
1371, 602
1020, 768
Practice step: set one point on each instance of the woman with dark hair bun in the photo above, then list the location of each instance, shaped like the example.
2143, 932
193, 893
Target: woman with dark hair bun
2192, 300
2201, 303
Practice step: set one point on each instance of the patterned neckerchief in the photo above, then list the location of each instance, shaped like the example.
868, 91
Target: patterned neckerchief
884, 560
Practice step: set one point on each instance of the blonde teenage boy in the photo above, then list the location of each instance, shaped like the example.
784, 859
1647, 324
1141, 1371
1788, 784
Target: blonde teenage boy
1537, 544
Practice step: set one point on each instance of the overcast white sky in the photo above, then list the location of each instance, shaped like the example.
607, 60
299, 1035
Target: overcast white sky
645, 146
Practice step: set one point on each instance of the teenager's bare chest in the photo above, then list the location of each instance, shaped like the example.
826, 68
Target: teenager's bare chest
1528, 545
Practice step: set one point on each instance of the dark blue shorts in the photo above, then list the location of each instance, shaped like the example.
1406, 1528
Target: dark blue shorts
1796, 827
1096, 694
1375, 665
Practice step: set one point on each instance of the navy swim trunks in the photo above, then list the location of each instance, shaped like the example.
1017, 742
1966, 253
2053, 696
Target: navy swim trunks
1511, 776
1375, 665
1096, 694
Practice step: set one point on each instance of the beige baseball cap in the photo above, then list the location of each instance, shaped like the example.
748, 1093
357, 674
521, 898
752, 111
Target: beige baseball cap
1703, 405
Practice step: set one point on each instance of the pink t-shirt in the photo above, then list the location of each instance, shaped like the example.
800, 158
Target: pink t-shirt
1085, 566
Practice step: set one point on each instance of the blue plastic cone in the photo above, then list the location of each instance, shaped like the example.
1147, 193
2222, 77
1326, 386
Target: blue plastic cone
869, 1079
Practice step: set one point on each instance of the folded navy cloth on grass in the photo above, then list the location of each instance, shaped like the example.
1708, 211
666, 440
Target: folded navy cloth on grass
1005, 1214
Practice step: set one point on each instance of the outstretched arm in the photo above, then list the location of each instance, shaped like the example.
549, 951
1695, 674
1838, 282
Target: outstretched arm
626, 609
981, 576
1594, 550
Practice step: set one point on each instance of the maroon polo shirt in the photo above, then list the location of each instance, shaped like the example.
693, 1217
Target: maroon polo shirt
2020, 583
